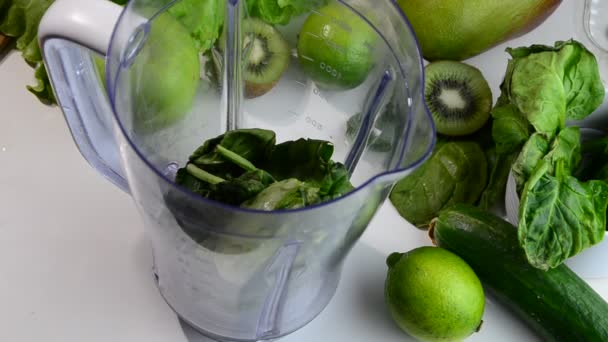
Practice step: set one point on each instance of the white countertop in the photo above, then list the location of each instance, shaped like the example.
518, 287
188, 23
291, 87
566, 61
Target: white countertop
75, 265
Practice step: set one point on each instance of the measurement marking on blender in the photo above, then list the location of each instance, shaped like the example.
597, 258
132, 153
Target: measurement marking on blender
293, 112
334, 46
307, 58
317, 92
312, 35
343, 25
301, 83
314, 123
317, 12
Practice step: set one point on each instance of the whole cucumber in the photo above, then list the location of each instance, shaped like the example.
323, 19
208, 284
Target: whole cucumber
557, 304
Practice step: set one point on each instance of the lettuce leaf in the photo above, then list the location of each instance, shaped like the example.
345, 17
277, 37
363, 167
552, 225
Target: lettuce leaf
281, 11
203, 18
20, 19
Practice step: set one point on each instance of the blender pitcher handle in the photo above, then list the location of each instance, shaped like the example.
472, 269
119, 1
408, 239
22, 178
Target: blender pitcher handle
67, 33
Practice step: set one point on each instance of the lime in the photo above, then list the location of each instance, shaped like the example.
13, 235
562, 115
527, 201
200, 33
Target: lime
433, 295
336, 47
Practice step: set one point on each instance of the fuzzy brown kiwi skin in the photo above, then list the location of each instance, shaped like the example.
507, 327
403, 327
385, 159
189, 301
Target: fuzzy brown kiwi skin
253, 90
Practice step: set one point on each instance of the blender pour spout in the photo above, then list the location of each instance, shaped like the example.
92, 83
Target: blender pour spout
370, 112
232, 87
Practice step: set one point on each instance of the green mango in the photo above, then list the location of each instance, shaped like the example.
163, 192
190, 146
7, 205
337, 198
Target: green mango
460, 29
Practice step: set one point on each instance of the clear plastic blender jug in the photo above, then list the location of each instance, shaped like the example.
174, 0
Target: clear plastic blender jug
178, 73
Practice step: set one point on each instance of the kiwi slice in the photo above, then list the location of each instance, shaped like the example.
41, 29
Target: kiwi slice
266, 53
458, 96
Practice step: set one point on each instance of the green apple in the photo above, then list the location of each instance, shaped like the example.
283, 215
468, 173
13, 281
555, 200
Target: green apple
164, 76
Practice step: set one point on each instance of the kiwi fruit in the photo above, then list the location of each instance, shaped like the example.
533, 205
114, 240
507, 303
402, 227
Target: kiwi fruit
458, 97
267, 54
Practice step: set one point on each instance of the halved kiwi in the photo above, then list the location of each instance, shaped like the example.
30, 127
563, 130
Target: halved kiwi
458, 96
267, 56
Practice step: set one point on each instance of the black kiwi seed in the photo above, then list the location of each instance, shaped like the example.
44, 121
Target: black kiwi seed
458, 97
258, 65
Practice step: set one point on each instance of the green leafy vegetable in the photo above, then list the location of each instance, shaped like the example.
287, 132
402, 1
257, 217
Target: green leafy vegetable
566, 147
455, 173
20, 19
250, 144
553, 84
559, 216
242, 188
286, 194
335, 183
313, 158
510, 129
533, 151
494, 193
244, 167
281, 11
204, 20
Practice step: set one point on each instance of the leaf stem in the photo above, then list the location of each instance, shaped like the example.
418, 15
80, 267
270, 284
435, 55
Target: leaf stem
203, 175
235, 158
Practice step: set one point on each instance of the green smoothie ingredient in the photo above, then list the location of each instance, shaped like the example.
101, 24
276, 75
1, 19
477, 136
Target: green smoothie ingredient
457, 30
458, 97
336, 47
544, 88
434, 295
557, 304
246, 168
455, 173
267, 56
164, 75
19, 19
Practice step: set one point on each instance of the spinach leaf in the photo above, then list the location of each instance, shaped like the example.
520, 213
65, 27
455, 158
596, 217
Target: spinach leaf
286, 194
455, 173
336, 182
191, 182
510, 129
254, 145
533, 151
553, 84
559, 216
291, 174
305, 159
566, 147
494, 193
237, 190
